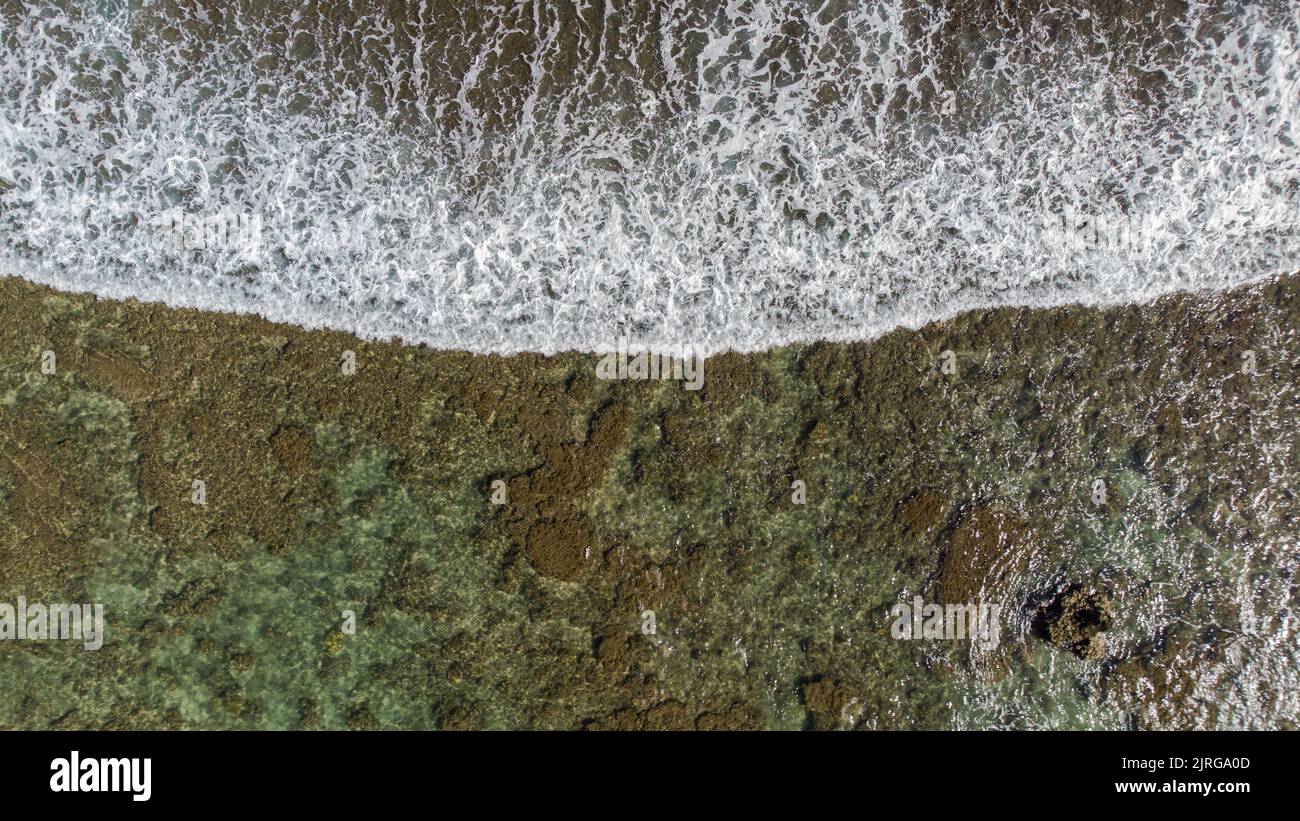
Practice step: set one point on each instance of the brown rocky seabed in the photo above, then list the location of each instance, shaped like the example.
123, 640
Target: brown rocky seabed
371, 492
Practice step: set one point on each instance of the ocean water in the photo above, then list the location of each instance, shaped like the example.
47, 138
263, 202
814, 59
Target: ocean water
551, 176
536, 176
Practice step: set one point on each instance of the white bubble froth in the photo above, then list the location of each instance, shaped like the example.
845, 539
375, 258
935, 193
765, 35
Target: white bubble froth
794, 172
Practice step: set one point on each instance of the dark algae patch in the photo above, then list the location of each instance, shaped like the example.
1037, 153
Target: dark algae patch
522, 544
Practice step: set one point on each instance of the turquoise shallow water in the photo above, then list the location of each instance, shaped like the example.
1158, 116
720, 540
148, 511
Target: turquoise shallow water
977, 485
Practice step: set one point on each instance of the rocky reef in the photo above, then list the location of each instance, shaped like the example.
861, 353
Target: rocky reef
519, 543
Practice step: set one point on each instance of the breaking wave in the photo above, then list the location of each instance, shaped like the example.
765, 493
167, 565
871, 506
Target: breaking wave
502, 177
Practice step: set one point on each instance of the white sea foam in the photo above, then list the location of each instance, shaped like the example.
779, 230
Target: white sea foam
730, 176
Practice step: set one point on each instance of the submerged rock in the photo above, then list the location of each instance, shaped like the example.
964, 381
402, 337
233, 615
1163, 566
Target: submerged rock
830, 704
1077, 620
